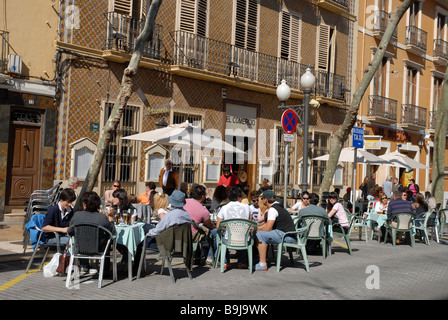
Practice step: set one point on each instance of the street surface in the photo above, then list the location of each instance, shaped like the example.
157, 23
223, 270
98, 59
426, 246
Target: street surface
373, 272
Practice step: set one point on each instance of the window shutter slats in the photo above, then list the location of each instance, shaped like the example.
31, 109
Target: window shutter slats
323, 46
123, 7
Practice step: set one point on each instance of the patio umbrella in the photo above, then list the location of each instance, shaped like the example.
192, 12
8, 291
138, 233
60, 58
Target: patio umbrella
362, 156
398, 159
185, 135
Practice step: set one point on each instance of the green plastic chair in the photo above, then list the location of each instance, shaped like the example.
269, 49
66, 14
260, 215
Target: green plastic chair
318, 230
204, 239
361, 224
422, 224
346, 235
240, 236
404, 224
300, 244
442, 221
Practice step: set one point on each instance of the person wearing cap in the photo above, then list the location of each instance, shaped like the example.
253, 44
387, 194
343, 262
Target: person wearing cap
168, 178
176, 216
278, 222
227, 178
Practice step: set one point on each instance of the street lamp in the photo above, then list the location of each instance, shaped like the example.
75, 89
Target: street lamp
283, 93
307, 83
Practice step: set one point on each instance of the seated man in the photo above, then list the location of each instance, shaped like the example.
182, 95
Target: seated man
313, 210
58, 218
199, 213
278, 223
235, 210
397, 205
176, 216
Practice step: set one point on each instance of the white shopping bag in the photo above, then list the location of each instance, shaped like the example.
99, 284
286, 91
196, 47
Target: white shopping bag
50, 268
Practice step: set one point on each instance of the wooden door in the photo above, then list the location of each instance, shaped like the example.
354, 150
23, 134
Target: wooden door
24, 168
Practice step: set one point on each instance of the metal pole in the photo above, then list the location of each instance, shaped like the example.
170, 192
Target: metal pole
285, 176
305, 141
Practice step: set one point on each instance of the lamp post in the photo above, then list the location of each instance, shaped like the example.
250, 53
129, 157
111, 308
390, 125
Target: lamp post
283, 93
307, 83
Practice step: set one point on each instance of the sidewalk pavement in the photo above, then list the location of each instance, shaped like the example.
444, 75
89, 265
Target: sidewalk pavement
373, 272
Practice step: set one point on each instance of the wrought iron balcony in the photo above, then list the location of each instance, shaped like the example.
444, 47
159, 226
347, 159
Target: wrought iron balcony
413, 117
122, 32
380, 22
382, 110
5, 51
440, 53
219, 57
416, 40
335, 6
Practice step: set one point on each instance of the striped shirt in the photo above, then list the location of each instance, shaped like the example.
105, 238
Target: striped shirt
397, 206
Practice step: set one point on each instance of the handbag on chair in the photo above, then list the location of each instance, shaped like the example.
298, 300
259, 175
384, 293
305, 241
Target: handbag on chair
64, 260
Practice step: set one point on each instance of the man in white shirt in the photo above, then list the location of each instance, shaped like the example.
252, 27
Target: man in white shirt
235, 210
168, 178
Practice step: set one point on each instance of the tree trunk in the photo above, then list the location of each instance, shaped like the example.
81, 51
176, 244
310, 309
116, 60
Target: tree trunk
121, 101
438, 167
343, 132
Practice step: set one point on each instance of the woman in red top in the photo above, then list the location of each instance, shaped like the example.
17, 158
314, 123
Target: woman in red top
228, 179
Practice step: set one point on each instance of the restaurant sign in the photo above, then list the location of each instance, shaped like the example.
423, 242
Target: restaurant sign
372, 142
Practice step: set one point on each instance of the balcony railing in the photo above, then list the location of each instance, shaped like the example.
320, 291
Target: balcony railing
413, 115
5, 51
380, 22
122, 32
220, 57
383, 107
440, 49
416, 37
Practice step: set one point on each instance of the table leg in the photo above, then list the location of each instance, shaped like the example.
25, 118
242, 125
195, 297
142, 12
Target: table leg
129, 266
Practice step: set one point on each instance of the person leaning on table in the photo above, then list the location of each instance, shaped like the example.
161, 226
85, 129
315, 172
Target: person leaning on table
278, 222
58, 218
91, 203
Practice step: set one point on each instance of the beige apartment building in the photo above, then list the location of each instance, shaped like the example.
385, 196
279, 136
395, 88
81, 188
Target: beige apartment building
399, 106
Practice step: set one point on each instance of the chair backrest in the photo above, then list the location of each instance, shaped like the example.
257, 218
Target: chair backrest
90, 238
302, 233
404, 220
316, 225
237, 231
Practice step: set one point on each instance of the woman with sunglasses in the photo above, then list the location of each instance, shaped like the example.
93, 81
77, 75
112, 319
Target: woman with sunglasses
305, 202
108, 197
336, 212
381, 205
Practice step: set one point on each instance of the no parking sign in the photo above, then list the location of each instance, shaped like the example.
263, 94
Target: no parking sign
289, 121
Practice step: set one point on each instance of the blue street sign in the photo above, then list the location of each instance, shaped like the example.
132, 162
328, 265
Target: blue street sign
358, 137
289, 121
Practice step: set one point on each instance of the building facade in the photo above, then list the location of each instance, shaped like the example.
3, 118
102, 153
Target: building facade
398, 109
216, 64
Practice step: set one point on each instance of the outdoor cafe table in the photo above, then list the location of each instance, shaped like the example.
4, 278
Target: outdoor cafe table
130, 236
376, 219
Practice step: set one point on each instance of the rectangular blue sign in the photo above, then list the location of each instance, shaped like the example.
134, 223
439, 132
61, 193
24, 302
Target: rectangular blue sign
358, 137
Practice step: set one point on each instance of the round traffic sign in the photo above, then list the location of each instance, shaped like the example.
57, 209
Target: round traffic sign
289, 121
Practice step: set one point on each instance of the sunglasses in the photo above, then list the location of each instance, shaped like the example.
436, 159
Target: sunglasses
383, 198
254, 200
116, 186
305, 198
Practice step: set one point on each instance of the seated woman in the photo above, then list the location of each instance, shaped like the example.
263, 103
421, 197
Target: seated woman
91, 203
160, 205
420, 206
120, 200
381, 205
147, 196
108, 194
336, 213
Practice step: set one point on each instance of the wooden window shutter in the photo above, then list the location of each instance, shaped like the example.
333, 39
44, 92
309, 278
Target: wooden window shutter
193, 16
122, 7
246, 21
323, 47
290, 37
144, 6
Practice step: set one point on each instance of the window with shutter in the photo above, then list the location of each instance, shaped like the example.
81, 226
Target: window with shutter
193, 16
290, 36
246, 21
323, 47
122, 6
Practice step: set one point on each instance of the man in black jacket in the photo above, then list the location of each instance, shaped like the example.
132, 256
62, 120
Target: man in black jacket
278, 223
